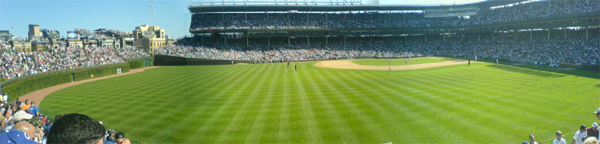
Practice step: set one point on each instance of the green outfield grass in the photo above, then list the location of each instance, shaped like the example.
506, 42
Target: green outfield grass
269, 103
384, 62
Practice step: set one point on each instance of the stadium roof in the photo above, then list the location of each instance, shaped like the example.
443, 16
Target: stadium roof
347, 7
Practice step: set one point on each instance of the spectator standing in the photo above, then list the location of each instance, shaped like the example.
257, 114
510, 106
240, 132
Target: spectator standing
580, 135
593, 131
26, 104
33, 110
559, 139
120, 138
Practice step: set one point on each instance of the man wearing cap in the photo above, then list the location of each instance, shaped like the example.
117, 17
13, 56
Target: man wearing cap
593, 131
21, 134
559, 139
17, 117
21, 115
579, 135
120, 138
111, 136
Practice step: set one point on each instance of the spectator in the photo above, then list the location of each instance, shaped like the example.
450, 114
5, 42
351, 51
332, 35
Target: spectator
593, 131
26, 104
76, 128
580, 135
120, 138
532, 139
18, 102
39, 130
5, 98
21, 115
111, 137
21, 134
33, 109
559, 139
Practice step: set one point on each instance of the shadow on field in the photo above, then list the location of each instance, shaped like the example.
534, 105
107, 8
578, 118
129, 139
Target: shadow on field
544, 71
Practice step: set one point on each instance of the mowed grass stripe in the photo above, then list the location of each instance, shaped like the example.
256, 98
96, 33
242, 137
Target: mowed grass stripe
168, 131
309, 120
205, 107
236, 127
148, 111
453, 101
191, 108
283, 135
425, 114
522, 102
387, 111
110, 120
213, 126
370, 107
337, 130
352, 113
262, 118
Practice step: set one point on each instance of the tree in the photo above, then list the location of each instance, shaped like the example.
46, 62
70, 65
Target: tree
34, 46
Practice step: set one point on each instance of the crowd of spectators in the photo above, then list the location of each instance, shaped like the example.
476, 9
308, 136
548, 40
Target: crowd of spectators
17, 63
520, 12
22, 123
539, 49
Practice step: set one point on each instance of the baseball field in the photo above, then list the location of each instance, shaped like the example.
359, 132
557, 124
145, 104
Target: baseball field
272, 103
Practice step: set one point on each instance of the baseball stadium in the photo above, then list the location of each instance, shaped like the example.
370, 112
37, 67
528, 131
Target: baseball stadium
318, 71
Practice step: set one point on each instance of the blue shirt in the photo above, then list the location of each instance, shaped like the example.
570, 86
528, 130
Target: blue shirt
33, 110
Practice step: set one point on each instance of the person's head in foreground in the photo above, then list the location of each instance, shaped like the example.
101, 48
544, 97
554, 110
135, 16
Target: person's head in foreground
76, 128
590, 140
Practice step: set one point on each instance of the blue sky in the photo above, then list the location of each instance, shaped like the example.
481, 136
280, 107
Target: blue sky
124, 15
66, 15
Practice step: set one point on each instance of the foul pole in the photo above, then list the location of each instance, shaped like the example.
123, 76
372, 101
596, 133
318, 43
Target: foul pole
152, 24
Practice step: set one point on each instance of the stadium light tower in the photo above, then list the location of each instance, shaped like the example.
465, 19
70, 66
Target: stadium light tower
151, 13
151, 24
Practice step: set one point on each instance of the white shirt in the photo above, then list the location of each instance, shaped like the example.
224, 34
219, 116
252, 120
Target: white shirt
579, 137
562, 141
5, 97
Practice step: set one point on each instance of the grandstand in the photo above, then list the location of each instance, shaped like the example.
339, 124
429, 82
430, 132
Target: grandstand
357, 29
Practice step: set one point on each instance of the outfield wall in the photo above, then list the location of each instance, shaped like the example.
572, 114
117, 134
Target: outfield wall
163, 60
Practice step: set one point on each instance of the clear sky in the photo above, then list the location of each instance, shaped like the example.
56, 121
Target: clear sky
67, 15
124, 15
